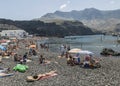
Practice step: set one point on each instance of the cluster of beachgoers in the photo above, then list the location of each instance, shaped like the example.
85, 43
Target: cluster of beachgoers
24, 62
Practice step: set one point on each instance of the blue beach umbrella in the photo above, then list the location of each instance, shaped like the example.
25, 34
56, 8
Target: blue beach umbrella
2, 48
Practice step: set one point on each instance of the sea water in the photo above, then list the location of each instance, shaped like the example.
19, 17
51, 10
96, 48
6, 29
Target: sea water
93, 43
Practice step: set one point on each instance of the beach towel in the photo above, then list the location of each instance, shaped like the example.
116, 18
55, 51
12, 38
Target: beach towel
20, 68
6, 75
41, 76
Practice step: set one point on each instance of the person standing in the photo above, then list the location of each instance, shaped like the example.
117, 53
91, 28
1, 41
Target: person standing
62, 50
78, 58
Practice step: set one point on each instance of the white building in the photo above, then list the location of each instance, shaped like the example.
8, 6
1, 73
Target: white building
14, 33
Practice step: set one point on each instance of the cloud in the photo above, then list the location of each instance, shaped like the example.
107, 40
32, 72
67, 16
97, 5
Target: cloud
63, 6
112, 2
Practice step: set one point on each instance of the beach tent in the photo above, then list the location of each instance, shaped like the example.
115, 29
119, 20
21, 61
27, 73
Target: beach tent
2, 48
74, 50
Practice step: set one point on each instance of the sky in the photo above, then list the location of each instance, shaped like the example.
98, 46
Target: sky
30, 9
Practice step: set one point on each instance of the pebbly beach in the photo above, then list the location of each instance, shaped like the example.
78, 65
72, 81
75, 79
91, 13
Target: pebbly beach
107, 75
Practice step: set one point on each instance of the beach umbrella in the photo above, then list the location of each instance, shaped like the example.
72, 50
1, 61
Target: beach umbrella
86, 52
74, 50
2, 48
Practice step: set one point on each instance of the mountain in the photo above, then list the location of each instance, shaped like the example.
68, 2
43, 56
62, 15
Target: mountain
65, 28
98, 19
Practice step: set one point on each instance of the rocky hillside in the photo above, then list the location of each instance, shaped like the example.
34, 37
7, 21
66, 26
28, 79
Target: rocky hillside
100, 20
65, 28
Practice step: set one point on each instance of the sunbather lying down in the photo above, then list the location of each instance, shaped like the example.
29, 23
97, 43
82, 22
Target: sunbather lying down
61, 56
47, 62
41, 76
5, 74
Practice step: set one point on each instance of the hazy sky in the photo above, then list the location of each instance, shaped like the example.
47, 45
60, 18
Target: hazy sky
30, 9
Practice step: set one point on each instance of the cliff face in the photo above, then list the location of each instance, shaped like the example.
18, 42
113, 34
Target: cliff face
65, 28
